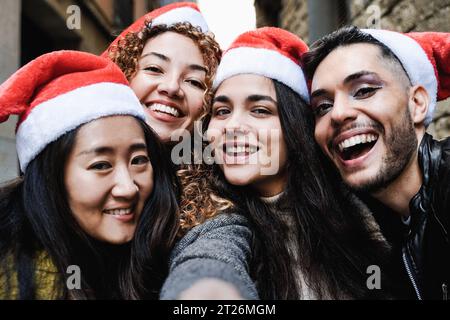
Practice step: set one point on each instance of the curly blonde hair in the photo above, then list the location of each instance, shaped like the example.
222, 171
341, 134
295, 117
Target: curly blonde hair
199, 201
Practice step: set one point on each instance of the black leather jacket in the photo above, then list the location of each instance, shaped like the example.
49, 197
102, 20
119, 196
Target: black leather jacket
426, 252
424, 245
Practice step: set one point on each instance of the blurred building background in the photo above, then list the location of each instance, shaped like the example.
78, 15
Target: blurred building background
33, 27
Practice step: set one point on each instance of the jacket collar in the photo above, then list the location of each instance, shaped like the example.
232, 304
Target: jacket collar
429, 157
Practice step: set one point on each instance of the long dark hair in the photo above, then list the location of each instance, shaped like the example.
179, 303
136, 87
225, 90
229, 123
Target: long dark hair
335, 248
35, 216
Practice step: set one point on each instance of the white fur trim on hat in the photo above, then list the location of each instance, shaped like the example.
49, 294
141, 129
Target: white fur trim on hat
185, 14
262, 62
55, 117
415, 61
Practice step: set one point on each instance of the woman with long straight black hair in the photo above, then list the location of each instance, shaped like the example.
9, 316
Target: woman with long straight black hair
95, 214
309, 239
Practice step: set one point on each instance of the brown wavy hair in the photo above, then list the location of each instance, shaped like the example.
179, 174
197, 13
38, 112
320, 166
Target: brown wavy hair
199, 201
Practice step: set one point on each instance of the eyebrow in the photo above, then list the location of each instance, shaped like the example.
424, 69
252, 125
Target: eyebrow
251, 98
348, 79
156, 54
194, 67
109, 150
223, 99
318, 93
259, 97
357, 75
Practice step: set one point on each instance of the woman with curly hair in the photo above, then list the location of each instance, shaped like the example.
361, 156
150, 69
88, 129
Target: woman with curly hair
170, 59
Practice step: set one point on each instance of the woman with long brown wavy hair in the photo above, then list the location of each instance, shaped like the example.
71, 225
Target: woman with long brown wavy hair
308, 237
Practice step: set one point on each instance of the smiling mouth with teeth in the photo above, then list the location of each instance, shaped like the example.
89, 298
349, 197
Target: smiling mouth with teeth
161, 108
356, 146
119, 212
236, 151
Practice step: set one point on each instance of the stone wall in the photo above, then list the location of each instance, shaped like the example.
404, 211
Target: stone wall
440, 128
294, 17
401, 15
291, 15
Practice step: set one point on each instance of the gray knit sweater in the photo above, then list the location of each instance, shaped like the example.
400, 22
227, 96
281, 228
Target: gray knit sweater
218, 248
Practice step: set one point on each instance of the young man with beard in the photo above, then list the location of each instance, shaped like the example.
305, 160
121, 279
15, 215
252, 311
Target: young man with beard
373, 93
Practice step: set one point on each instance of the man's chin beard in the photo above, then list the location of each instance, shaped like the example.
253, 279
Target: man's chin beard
378, 183
391, 168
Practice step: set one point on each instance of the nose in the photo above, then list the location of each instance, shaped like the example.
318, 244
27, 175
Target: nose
170, 86
236, 124
342, 111
124, 185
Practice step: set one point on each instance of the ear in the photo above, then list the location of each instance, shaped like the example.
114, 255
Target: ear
419, 101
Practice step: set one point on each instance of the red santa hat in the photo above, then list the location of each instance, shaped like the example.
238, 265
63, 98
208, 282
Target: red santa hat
168, 15
425, 56
271, 52
60, 91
